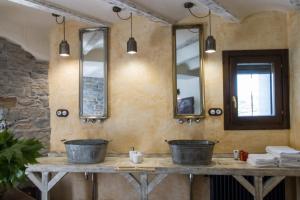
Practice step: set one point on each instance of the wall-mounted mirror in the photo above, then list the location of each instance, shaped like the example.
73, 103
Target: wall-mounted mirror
188, 89
93, 73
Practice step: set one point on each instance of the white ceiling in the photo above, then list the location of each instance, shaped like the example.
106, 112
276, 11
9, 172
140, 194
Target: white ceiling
31, 27
244, 8
25, 26
172, 9
20, 14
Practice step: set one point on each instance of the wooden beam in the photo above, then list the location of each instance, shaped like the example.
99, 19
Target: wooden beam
8, 102
56, 179
271, 184
140, 10
59, 10
156, 181
188, 42
183, 69
258, 184
245, 183
45, 178
133, 181
219, 10
35, 179
144, 186
295, 3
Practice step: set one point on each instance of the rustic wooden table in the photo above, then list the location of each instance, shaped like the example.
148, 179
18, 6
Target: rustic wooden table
160, 167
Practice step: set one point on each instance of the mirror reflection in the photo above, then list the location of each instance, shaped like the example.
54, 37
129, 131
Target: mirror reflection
189, 98
93, 73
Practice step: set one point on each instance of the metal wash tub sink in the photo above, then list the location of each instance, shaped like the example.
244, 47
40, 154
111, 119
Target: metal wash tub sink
86, 151
192, 152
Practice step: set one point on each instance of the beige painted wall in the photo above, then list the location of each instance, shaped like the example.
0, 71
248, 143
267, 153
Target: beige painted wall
140, 100
140, 87
294, 44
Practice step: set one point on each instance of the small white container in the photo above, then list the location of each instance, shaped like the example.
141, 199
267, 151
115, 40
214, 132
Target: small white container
131, 154
236, 154
137, 158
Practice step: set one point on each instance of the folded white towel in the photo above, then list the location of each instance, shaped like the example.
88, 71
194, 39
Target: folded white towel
289, 156
262, 160
255, 164
282, 151
264, 165
289, 163
262, 156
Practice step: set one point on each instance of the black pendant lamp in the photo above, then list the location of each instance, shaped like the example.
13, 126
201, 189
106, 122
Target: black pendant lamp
210, 43
64, 47
131, 43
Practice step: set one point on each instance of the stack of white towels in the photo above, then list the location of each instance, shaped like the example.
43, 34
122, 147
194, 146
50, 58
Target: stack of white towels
262, 160
282, 156
287, 156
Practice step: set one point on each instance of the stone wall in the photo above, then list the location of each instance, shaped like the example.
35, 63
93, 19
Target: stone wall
93, 100
24, 77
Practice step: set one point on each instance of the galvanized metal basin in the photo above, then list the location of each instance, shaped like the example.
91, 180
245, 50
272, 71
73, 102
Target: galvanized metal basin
191, 152
86, 151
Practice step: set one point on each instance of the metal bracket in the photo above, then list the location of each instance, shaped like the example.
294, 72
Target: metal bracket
92, 120
116, 9
189, 121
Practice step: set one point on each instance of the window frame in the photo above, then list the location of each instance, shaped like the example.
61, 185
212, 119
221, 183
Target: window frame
281, 119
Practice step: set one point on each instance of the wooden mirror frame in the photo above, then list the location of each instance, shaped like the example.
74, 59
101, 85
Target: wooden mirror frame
201, 71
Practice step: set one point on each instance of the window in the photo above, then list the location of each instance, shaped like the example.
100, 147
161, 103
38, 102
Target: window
256, 91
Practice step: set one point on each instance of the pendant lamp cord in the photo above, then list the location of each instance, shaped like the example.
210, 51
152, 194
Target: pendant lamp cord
63, 21
130, 24
124, 18
200, 17
64, 28
127, 18
209, 22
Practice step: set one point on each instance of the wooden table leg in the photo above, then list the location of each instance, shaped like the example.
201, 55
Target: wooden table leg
45, 184
298, 187
258, 185
191, 181
144, 186
95, 186
45, 194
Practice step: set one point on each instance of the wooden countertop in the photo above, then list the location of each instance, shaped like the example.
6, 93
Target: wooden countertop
159, 165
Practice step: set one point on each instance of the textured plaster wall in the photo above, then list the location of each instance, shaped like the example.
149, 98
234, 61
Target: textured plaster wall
140, 99
294, 44
140, 87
